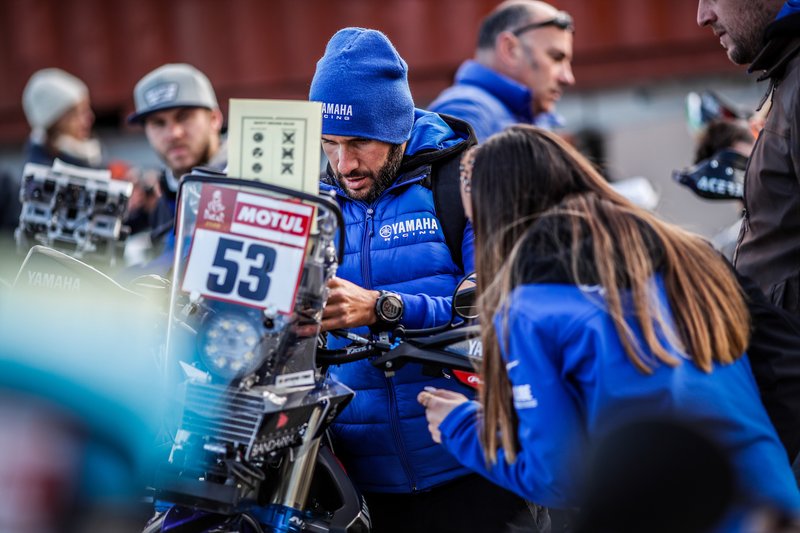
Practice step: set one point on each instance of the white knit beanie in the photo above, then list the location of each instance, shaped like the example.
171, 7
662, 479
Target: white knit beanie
49, 94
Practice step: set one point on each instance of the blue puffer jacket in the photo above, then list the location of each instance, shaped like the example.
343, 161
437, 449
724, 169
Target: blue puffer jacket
396, 243
490, 102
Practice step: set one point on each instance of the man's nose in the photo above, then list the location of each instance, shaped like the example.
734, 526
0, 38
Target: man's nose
705, 15
347, 163
176, 130
565, 75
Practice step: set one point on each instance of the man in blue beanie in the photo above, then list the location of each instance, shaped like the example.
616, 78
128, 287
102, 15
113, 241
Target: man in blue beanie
522, 66
766, 36
391, 167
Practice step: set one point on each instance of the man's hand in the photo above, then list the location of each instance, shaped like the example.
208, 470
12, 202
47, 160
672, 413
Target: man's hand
438, 404
349, 306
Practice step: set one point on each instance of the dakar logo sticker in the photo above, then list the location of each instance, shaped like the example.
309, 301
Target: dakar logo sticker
337, 111
215, 209
415, 226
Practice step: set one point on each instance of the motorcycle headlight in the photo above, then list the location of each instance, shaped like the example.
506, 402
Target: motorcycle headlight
229, 345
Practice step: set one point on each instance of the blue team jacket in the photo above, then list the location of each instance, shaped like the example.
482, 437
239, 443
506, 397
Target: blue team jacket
396, 243
571, 379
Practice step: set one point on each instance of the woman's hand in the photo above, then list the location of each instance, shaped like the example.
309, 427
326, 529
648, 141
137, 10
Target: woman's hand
438, 404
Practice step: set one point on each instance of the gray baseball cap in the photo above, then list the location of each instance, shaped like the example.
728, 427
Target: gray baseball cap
170, 86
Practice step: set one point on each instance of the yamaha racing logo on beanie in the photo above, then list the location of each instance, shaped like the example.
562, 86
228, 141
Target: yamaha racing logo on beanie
337, 111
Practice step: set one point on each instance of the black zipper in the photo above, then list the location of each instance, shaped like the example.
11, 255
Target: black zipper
393, 415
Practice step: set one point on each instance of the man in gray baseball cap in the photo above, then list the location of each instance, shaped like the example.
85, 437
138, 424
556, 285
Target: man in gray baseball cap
178, 109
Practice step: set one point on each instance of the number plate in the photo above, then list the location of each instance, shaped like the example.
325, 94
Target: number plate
248, 249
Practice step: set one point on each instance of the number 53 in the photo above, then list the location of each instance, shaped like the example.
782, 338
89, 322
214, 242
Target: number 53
229, 257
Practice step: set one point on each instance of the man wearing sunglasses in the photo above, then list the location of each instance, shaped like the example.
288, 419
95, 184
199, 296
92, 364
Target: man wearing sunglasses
521, 68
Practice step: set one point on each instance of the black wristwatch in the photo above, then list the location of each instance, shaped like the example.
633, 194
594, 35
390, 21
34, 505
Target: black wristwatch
388, 310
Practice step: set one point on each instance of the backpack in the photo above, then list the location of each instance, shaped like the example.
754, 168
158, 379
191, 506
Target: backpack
444, 182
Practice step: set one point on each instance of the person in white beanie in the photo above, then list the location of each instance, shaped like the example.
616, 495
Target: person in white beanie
59, 113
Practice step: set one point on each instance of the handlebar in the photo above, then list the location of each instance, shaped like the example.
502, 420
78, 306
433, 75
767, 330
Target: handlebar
427, 349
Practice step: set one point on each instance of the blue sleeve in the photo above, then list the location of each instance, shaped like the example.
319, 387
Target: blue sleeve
423, 311
550, 425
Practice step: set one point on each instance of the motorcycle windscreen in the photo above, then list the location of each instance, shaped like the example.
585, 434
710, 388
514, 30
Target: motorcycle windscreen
249, 276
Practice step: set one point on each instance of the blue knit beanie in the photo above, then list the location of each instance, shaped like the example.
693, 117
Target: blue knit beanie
362, 83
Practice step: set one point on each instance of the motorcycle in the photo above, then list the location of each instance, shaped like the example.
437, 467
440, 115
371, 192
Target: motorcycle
248, 448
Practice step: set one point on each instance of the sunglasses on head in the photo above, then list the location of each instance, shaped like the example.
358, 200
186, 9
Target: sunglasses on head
562, 20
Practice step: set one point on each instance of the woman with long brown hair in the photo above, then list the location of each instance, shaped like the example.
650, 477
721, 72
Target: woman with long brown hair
595, 313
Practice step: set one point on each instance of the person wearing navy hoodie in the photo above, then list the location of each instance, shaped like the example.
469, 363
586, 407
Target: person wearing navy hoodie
385, 158
177, 107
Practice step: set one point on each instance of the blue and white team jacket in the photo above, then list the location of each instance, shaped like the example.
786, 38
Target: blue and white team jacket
396, 243
572, 381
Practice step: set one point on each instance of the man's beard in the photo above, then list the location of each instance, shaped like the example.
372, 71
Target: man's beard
382, 179
745, 50
202, 160
749, 43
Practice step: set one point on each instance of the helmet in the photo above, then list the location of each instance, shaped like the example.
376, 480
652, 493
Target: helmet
720, 177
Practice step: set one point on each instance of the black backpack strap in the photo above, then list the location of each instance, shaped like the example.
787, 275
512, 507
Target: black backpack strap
447, 202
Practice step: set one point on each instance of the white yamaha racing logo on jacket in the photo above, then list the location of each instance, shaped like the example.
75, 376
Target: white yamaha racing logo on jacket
423, 225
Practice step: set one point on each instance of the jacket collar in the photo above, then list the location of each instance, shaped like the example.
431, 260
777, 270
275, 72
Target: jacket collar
435, 137
782, 43
513, 94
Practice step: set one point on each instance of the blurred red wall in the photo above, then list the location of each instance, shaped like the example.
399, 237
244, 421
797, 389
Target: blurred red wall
268, 48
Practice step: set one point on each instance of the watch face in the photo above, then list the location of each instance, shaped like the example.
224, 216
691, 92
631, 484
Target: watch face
391, 307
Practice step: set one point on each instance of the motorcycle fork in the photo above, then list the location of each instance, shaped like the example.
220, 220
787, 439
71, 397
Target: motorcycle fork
296, 474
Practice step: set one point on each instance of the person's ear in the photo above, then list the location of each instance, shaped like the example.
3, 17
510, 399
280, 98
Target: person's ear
216, 119
508, 50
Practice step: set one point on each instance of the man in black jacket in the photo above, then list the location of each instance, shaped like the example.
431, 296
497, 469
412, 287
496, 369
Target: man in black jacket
766, 35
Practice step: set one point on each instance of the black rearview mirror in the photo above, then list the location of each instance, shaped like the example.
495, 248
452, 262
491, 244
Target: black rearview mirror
464, 304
